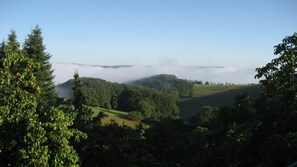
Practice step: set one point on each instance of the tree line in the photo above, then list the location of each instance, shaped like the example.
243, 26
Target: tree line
168, 84
142, 103
51, 132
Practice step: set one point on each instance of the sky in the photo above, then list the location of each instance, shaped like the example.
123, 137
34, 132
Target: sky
188, 38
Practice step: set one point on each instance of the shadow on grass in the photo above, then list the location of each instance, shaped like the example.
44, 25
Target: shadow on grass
118, 114
191, 106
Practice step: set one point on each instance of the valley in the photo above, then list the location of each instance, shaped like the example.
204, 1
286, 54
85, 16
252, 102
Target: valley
192, 99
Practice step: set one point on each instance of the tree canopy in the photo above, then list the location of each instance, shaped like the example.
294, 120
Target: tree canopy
168, 84
280, 75
150, 103
45, 133
29, 137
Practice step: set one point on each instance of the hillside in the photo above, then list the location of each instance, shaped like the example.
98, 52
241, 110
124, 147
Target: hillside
148, 103
168, 84
101, 93
214, 95
119, 117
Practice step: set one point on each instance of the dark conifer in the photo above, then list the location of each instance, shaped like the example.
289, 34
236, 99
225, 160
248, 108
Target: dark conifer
35, 49
84, 114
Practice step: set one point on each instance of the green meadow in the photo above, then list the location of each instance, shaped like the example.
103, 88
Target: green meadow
214, 95
119, 117
203, 95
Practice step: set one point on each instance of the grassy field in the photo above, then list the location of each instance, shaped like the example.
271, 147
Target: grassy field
205, 90
203, 95
214, 95
118, 116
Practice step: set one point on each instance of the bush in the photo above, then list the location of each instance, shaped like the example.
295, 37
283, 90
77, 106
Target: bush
135, 115
107, 105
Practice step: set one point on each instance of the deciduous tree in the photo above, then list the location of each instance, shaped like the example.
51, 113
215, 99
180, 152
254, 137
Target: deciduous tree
279, 77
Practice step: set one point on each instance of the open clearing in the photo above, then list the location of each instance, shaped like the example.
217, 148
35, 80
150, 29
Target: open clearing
119, 117
214, 95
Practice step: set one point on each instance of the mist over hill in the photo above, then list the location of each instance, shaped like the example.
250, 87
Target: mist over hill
125, 73
151, 104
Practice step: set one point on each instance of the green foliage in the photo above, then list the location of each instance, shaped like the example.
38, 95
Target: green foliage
207, 113
205, 116
280, 75
277, 105
107, 105
84, 115
169, 139
58, 135
97, 92
216, 96
28, 137
35, 50
234, 135
110, 116
78, 97
135, 115
243, 136
18, 103
168, 84
152, 104
115, 145
147, 108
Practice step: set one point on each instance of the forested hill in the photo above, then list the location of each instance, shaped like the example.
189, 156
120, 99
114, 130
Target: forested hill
168, 84
150, 104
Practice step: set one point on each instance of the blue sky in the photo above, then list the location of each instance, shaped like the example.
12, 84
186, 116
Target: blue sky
234, 34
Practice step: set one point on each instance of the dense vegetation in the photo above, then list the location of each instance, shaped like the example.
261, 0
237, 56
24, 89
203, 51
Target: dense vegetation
29, 134
142, 103
168, 84
249, 133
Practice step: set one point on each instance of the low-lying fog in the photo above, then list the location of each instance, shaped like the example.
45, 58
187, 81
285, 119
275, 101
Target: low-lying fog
124, 73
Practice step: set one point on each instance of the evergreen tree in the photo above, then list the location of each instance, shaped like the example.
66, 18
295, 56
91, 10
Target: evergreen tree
84, 114
35, 49
83, 121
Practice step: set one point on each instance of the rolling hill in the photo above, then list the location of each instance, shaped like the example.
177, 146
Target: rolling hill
214, 95
106, 94
151, 103
166, 83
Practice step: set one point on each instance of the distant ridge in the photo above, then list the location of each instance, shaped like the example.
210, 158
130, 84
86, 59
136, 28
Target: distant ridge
208, 67
129, 66
102, 66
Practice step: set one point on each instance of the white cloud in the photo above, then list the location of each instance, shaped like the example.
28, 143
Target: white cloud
64, 72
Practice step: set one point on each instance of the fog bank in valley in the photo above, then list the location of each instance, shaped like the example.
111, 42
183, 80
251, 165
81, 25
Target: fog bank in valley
125, 73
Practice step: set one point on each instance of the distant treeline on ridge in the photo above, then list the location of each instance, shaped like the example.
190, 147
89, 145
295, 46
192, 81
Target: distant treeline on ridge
152, 104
